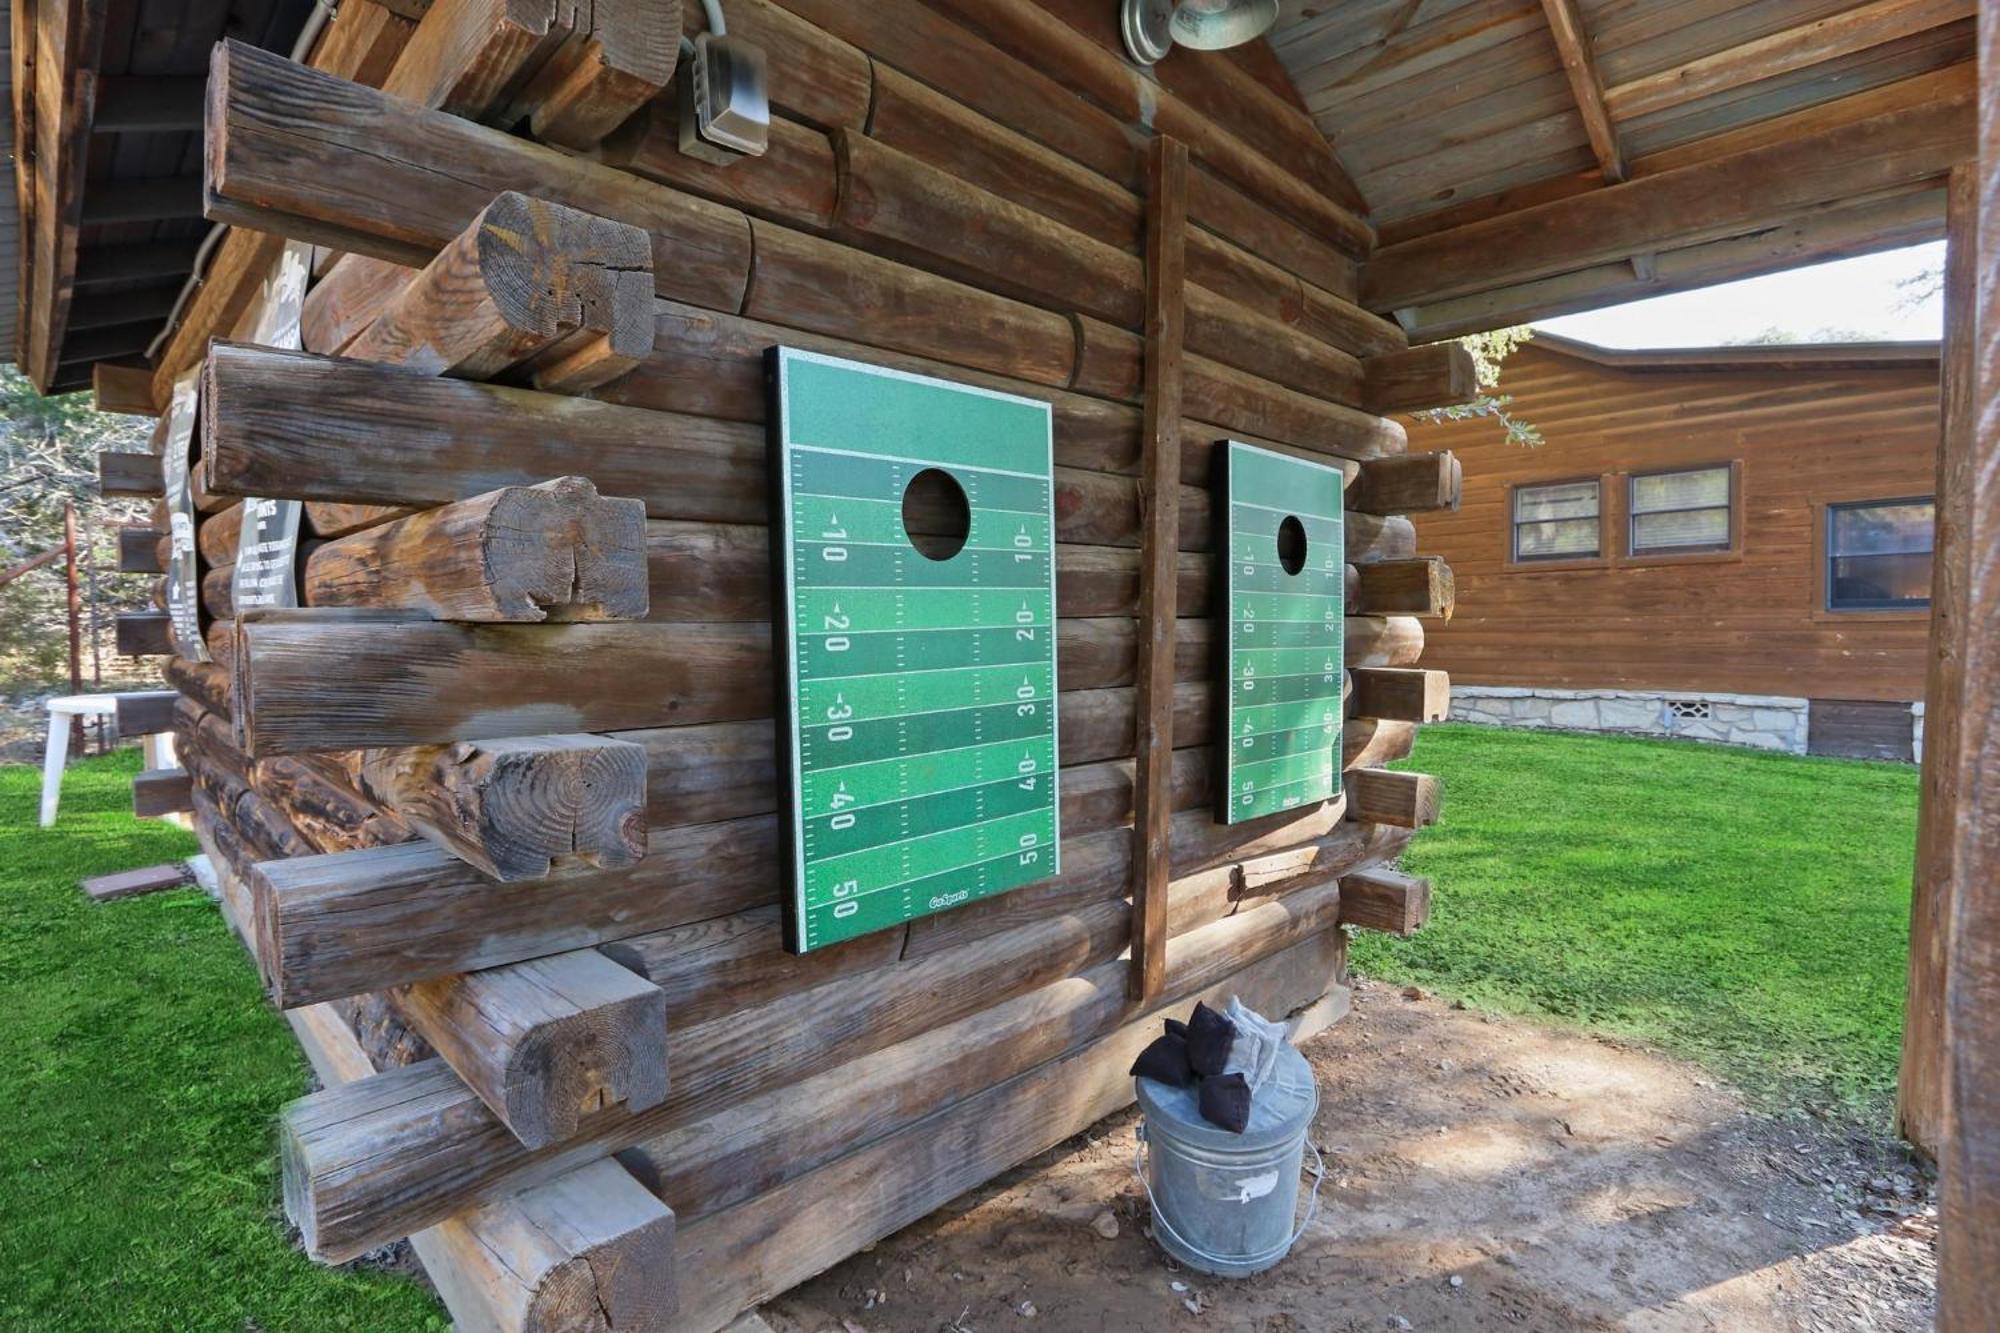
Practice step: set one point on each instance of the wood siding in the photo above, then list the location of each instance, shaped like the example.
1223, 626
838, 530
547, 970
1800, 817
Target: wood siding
1752, 623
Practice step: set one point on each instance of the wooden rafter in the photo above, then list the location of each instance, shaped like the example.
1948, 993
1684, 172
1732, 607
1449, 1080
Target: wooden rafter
1573, 45
1731, 196
1813, 43
56, 45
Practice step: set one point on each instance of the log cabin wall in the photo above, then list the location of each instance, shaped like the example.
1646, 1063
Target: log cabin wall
1803, 428
498, 818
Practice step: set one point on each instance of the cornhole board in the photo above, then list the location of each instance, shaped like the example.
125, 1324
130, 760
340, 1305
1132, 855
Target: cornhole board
1280, 666
919, 742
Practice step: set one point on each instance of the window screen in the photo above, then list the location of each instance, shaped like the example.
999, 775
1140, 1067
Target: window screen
1681, 511
1556, 522
1878, 555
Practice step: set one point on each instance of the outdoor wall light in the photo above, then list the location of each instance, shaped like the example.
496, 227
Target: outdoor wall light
1154, 27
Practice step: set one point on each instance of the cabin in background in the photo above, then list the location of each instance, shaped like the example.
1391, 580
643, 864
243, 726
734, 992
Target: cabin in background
1729, 544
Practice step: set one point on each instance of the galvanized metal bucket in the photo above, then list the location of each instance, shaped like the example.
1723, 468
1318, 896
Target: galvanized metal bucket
1224, 1203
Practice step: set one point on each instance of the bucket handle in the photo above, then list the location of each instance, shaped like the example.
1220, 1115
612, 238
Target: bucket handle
1140, 1155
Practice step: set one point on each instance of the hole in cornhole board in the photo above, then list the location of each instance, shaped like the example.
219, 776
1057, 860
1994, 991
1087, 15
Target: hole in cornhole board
937, 518
1292, 545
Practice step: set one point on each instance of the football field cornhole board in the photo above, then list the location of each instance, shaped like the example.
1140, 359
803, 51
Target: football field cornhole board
1284, 584
921, 745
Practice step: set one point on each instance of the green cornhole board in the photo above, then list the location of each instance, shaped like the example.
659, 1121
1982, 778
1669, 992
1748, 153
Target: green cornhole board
921, 735
1284, 583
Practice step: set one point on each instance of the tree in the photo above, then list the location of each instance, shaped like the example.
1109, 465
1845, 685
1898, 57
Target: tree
48, 456
1489, 353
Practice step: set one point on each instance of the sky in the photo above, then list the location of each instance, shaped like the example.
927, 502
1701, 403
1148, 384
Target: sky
1857, 296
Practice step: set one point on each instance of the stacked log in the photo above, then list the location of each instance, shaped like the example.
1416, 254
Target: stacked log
497, 807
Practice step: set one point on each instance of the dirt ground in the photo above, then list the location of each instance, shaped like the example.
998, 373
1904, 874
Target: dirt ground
1481, 1173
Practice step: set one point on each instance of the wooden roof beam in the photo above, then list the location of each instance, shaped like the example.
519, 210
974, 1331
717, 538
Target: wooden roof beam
1836, 35
1710, 201
1815, 237
100, 264
1573, 45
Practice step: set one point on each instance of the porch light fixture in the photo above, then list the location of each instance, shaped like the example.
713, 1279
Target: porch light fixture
1154, 27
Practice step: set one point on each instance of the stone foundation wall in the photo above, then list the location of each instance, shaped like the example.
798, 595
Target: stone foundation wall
1763, 721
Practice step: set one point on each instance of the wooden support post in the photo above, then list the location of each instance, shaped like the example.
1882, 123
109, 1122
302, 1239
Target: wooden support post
1401, 694
566, 292
1434, 375
162, 791
1379, 796
1954, 620
1969, 1158
514, 807
146, 712
556, 551
1406, 484
1166, 327
545, 1042
1385, 900
590, 1249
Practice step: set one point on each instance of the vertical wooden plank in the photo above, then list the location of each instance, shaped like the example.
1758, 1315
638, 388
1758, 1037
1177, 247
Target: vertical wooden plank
1159, 482
1920, 1088
1969, 1226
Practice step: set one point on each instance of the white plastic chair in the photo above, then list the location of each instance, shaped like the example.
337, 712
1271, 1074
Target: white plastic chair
61, 710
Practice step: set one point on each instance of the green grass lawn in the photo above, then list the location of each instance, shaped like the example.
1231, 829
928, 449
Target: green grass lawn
1748, 910
139, 1071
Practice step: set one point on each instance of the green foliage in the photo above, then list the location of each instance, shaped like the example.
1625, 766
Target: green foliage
1489, 353
1748, 910
48, 457
141, 1072
1773, 336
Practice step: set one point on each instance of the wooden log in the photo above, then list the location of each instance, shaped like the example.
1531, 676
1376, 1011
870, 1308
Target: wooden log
600, 73
139, 551
1407, 484
895, 201
123, 389
513, 807
589, 1248
1419, 587
129, 474
1434, 375
419, 1163
1382, 796
132, 883
796, 180
819, 79
556, 551
817, 1219
327, 812
158, 792
145, 712
341, 925
1026, 30
1401, 694
204, 683
430, 683
543, 1043
526, 282
330, 519
316, 158
1167, 329
1725, 197
144, 634
350, 296
1385, 900
218, 535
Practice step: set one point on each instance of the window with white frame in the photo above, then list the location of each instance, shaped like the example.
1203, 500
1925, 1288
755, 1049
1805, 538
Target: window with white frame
1557, 522
1878, 555
1682, 512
